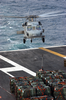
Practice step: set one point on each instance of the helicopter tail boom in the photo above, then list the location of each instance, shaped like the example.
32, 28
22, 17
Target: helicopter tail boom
20, 32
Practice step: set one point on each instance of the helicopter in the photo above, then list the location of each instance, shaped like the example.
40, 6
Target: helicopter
33, 28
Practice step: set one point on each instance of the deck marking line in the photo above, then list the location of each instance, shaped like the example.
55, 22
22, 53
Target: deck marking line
64, 57
18, 67
53, 52
7, 73
6, 90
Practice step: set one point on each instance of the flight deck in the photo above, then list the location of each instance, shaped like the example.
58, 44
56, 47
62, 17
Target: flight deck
26, 62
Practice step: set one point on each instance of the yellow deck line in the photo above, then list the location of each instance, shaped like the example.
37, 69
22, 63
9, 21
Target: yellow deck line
53, 52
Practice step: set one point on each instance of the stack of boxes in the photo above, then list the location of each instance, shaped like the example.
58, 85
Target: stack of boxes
56, 80
47, 85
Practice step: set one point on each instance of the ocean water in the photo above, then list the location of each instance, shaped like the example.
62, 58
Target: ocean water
55, 27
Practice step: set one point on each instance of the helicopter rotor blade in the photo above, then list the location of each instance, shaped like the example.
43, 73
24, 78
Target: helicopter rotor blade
2, 16
51, 14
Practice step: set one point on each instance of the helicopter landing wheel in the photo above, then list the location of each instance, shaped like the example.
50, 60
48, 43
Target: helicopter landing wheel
43, 39
31, 40
24, 40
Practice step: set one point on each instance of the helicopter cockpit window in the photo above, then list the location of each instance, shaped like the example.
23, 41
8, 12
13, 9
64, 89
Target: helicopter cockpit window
38, 27
29, 28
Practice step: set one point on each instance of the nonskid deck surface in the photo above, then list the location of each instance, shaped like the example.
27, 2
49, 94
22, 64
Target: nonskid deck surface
26, 63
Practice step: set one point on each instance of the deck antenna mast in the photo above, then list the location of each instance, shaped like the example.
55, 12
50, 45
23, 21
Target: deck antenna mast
41, 64
42, 61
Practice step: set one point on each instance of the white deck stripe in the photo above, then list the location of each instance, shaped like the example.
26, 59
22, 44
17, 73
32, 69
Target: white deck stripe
16, 68
7, 73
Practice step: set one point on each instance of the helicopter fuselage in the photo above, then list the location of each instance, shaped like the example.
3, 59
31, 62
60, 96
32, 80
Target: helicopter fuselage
33, 29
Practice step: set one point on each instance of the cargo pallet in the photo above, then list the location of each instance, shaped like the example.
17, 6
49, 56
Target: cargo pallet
46, 85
